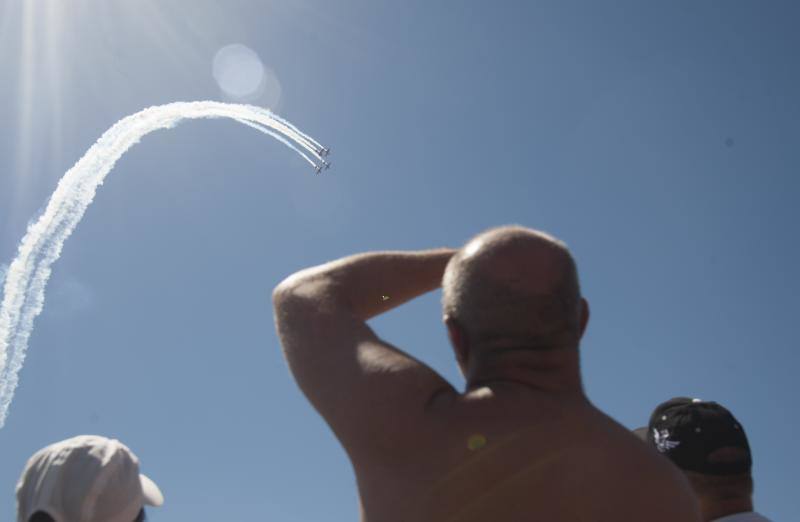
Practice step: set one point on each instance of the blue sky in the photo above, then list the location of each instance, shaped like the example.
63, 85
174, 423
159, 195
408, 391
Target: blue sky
658, 139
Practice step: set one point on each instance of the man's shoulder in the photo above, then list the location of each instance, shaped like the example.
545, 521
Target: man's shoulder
630, 476
629, 458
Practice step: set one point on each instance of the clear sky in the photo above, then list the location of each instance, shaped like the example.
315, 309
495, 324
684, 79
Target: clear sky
660, 140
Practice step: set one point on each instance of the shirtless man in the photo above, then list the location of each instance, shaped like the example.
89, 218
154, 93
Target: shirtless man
522, 442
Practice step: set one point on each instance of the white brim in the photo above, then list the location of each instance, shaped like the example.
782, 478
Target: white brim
152, 495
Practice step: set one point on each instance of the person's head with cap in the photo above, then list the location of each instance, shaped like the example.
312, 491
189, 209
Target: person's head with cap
709, 445
84, 479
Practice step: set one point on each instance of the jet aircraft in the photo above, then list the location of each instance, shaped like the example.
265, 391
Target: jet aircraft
325, 165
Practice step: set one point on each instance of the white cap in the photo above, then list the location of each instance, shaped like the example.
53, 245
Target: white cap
85, 479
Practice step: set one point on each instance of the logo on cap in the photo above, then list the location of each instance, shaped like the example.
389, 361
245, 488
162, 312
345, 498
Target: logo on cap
662, 442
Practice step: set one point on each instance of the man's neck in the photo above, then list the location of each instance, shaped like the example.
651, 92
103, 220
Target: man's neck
547, 371
714, 509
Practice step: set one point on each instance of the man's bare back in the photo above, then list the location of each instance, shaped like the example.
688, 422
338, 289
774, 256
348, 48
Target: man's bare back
522, 443
508, 455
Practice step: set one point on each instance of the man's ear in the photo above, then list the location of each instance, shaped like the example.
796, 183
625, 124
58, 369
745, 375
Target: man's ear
584, 315
457, 339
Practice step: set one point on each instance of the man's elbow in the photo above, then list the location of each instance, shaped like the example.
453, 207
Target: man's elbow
283, 297
280, 292
287, 308
293, 294
306, 286
288, 287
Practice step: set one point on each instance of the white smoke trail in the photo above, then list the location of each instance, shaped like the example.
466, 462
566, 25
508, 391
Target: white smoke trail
313, 145
27, 275
278, 137
303, 140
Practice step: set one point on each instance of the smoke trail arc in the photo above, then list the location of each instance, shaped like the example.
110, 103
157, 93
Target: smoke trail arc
27, 275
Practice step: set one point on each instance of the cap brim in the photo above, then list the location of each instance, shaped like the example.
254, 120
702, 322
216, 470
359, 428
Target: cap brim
152, 495
641, 433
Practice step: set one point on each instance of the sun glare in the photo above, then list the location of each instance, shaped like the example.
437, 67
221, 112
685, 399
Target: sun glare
242, 76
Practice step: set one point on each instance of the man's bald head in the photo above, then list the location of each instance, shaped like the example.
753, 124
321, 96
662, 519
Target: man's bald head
516, 284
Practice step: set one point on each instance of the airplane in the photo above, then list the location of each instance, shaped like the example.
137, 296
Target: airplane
323, 152
325, 165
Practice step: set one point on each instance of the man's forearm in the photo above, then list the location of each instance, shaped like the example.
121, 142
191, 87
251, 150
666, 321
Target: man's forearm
371, 283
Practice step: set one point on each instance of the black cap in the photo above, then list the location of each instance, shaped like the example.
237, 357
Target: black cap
691, 432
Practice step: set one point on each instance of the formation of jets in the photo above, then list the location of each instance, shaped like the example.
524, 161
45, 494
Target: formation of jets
321, 153
325, 165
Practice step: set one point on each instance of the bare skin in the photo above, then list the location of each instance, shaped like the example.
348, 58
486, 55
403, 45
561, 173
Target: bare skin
521, 443
722, 496
713, 509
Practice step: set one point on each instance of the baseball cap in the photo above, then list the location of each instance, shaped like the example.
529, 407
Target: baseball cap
692, 433
85, 479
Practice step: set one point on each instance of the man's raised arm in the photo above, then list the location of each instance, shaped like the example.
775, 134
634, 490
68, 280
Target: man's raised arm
373, 395
371, 283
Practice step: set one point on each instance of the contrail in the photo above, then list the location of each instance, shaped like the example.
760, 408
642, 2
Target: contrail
26, 277
311, 141
278, 137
